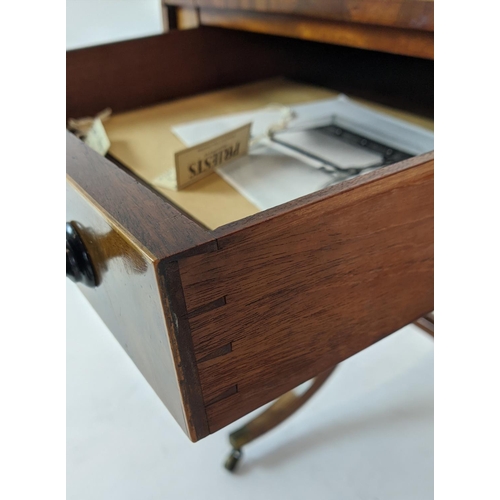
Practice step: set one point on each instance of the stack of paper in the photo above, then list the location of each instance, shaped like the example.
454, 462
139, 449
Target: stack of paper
306, 159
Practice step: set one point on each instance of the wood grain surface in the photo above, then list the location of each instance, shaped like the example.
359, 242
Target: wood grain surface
179, 334
127, 298
409, 42
305, 287
137, 73
410, 14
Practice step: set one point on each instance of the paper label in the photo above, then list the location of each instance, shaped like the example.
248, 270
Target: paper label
195, 163
96, 138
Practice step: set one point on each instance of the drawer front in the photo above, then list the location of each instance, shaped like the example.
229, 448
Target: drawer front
134, 237
127, 297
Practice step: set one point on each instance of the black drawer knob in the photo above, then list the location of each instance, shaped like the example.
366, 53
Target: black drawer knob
78, 264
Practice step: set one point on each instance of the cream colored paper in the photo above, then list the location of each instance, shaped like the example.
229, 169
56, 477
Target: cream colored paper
91, 130
97, 139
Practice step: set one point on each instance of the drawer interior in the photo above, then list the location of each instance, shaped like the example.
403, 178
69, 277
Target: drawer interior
154, 83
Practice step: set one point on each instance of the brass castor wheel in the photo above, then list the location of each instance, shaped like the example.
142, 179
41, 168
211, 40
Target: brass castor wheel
233, 459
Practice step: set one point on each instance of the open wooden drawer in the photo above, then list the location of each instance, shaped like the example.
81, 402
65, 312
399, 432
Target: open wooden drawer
223, 321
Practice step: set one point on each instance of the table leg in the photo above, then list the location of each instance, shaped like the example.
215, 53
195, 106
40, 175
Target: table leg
278, 412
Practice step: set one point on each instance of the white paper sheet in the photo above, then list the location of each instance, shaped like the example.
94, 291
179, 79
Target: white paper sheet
271, 175
268, 177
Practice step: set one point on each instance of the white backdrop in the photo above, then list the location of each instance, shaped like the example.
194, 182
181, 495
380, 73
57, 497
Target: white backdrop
93, 22
368, 434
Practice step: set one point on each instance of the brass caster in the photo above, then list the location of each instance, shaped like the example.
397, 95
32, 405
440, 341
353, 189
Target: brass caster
233, 459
